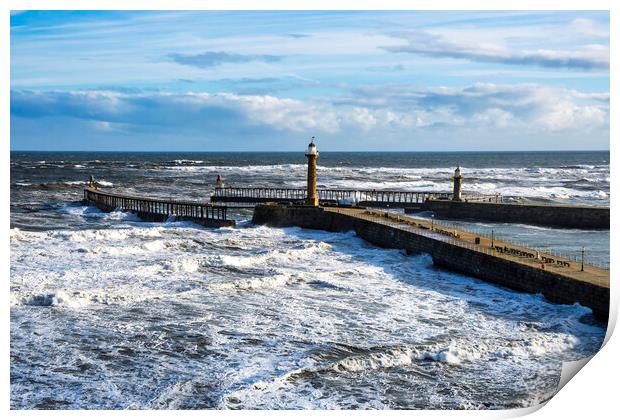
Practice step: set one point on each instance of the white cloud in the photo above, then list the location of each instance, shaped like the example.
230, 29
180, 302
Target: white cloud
590, 28
494, 117
282, 113
584, 57
363, 118
399, 108
522, 106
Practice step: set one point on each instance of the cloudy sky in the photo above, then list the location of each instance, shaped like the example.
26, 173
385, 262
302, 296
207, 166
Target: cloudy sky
267, 80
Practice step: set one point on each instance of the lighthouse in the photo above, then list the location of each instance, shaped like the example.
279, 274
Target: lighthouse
312, 154
458, 184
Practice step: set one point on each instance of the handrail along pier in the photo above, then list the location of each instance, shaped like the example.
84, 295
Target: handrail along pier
371, 198
155, 209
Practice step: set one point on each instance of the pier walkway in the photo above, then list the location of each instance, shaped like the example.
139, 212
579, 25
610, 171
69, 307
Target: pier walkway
154, 209
531, 257
369, 198
559, 279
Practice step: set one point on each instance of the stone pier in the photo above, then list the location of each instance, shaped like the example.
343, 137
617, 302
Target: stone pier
501, 263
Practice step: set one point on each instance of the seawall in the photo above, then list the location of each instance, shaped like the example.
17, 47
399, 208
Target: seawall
504, 271
579, 217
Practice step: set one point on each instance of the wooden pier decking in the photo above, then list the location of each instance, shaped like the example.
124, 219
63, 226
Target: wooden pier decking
156, 209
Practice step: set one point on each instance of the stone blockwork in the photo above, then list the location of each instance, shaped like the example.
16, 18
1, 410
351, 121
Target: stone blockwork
580, 217
555, 287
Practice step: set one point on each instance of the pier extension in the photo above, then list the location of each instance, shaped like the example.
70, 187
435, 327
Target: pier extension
159, 210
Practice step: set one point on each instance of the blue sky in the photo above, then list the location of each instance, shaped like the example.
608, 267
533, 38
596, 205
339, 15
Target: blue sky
269, 80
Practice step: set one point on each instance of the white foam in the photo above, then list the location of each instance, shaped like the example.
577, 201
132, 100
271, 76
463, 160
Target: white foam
16, 235
97, 235
185, 161
289, 255
58, 298
187, 265
254, 283
377, 360
79, 299
280, 310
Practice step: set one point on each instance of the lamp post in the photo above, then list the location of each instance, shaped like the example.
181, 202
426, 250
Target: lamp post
312, 154
583, 250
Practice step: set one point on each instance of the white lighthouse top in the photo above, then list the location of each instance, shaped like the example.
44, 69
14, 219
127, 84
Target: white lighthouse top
457, 172
312, 150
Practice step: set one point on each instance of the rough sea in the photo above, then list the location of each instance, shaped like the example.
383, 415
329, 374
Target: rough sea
109, 312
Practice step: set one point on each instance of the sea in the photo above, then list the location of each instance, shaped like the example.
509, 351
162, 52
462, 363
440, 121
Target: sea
111, 312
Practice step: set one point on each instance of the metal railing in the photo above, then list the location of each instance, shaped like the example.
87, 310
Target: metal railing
451, 234
169, 207
561, 254
384, 198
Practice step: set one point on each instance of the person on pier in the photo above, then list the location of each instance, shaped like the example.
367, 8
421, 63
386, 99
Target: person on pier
92, 183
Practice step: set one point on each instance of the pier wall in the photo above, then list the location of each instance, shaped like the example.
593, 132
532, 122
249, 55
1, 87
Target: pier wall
555, 287
580, 217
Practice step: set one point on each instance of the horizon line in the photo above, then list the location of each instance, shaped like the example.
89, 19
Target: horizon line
301, 151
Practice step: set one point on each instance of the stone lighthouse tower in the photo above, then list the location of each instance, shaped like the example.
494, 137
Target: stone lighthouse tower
312, 154
458, 184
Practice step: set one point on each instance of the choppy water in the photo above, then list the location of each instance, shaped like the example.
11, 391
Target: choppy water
111, 312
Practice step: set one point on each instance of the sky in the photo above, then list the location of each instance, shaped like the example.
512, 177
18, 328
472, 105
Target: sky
270, 80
